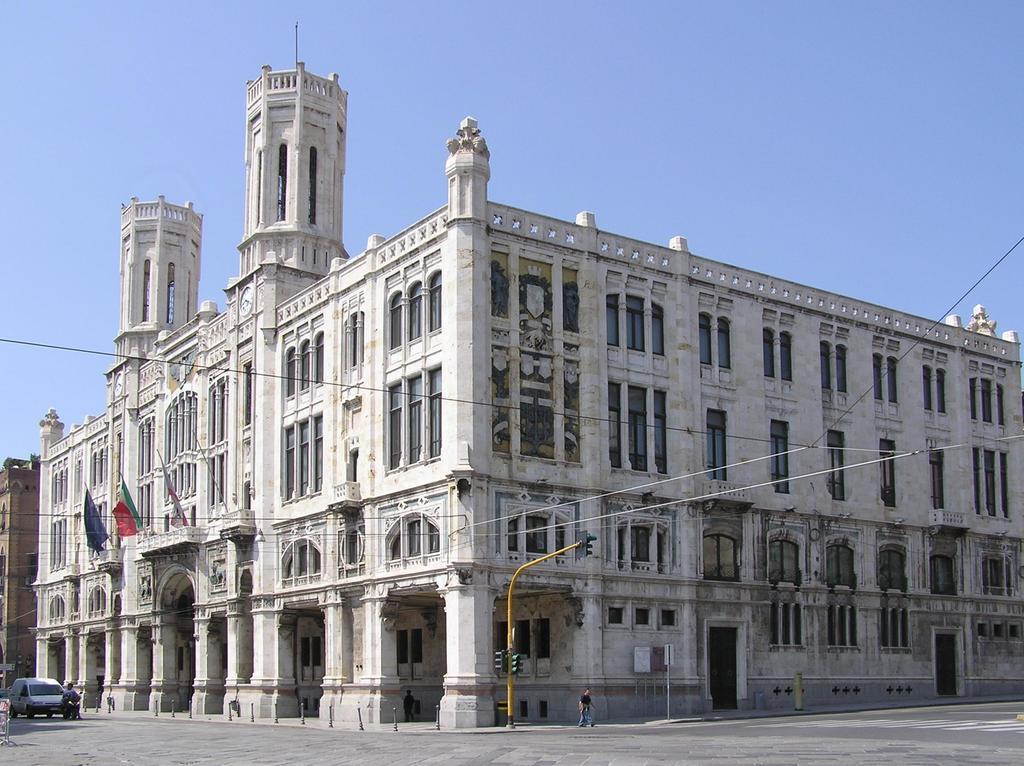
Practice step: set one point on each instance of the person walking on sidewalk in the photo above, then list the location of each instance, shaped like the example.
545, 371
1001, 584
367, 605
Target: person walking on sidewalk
409, 703
586, 711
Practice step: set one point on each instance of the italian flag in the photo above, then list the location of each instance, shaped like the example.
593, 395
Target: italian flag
126, 515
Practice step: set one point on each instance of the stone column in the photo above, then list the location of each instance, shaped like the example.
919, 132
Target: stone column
71, 651
587, 659
469, 683
337, 653
126, 690
239, 644
209, 685
165, 667
380, 692
262, 689
111, 658
44, 667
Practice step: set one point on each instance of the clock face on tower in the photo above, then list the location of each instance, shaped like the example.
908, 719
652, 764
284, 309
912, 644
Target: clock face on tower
245, 301
118, 385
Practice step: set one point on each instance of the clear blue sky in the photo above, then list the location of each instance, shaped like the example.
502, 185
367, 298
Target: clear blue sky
872, 149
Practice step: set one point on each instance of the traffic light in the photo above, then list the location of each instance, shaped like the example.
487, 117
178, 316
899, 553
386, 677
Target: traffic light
584, 544
517, 663
500, 664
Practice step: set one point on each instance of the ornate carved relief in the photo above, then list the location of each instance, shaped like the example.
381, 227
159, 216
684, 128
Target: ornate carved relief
980, 323
499, 285
570, 302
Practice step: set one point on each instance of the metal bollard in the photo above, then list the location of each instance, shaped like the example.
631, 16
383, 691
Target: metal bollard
110, 705
99, 699
156, 707
275, 711
231, 704
359, 712
174, 707
330, 716
252, 712
798, 691
190, 710
394, 715
437, 717
302, 711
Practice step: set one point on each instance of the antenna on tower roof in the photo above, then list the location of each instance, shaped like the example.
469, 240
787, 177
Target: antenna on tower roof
296, 45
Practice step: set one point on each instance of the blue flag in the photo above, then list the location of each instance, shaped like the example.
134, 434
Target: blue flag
95, 533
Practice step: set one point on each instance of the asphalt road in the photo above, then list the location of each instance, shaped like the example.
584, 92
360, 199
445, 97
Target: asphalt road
957, 734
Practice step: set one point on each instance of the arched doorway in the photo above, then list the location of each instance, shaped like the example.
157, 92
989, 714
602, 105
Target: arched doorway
174, 660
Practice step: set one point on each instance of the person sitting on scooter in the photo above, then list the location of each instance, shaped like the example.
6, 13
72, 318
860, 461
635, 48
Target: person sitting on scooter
72, 701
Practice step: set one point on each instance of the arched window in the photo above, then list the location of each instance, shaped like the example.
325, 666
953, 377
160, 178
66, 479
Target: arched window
395, 321
312, 184
435, 302
704, 332
720, 560
282, 181
300, 562
876, 375
890, 374
825, 354
892, 569
768, 352
724, 344
170, 294
146, 276
839, 566
290, 371
318, 358
940, 390
657, 329
351, 548
97, 601
926, 386
415, 536
841, 369
943, 581
785, 356
415, 311
57, 609
783, 561
305, 360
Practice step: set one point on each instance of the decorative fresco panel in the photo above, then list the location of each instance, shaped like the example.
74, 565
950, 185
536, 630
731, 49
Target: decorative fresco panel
499, 285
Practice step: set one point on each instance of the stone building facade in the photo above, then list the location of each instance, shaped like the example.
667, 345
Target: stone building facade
782, 479
19, 535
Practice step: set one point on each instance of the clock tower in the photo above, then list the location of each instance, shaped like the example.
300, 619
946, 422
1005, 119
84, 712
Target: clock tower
295, 170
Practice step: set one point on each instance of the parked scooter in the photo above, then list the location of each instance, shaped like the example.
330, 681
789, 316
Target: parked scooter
71, 705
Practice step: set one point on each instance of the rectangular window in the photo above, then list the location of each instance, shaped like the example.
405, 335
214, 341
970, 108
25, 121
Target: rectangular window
935, 465
785, 624
779, 464
543, 632
416, 645
972, 386
640, 543
876, 376
612, 319
986, 400
824, 358
768, 353
657, 330
634, 323
615, 615
704, 335
940, 391
887, 473
1000, 417
615, 424
415, 419
715, 457
289, 462
926, 387
642, 616
841, 369
1004, 484
842, 625
304, 457
893, 623
637, 400
247, 384
668, 618
976, 471
990, 482
891, 380
785, 356
395, 426
836, 481
660, 433
318, 453
536, 534
522, 637
434, 425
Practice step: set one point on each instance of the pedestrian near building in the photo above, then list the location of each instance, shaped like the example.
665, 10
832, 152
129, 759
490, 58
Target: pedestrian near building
409, 703
586, 709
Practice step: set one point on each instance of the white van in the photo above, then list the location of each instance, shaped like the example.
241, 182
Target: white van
36, 695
